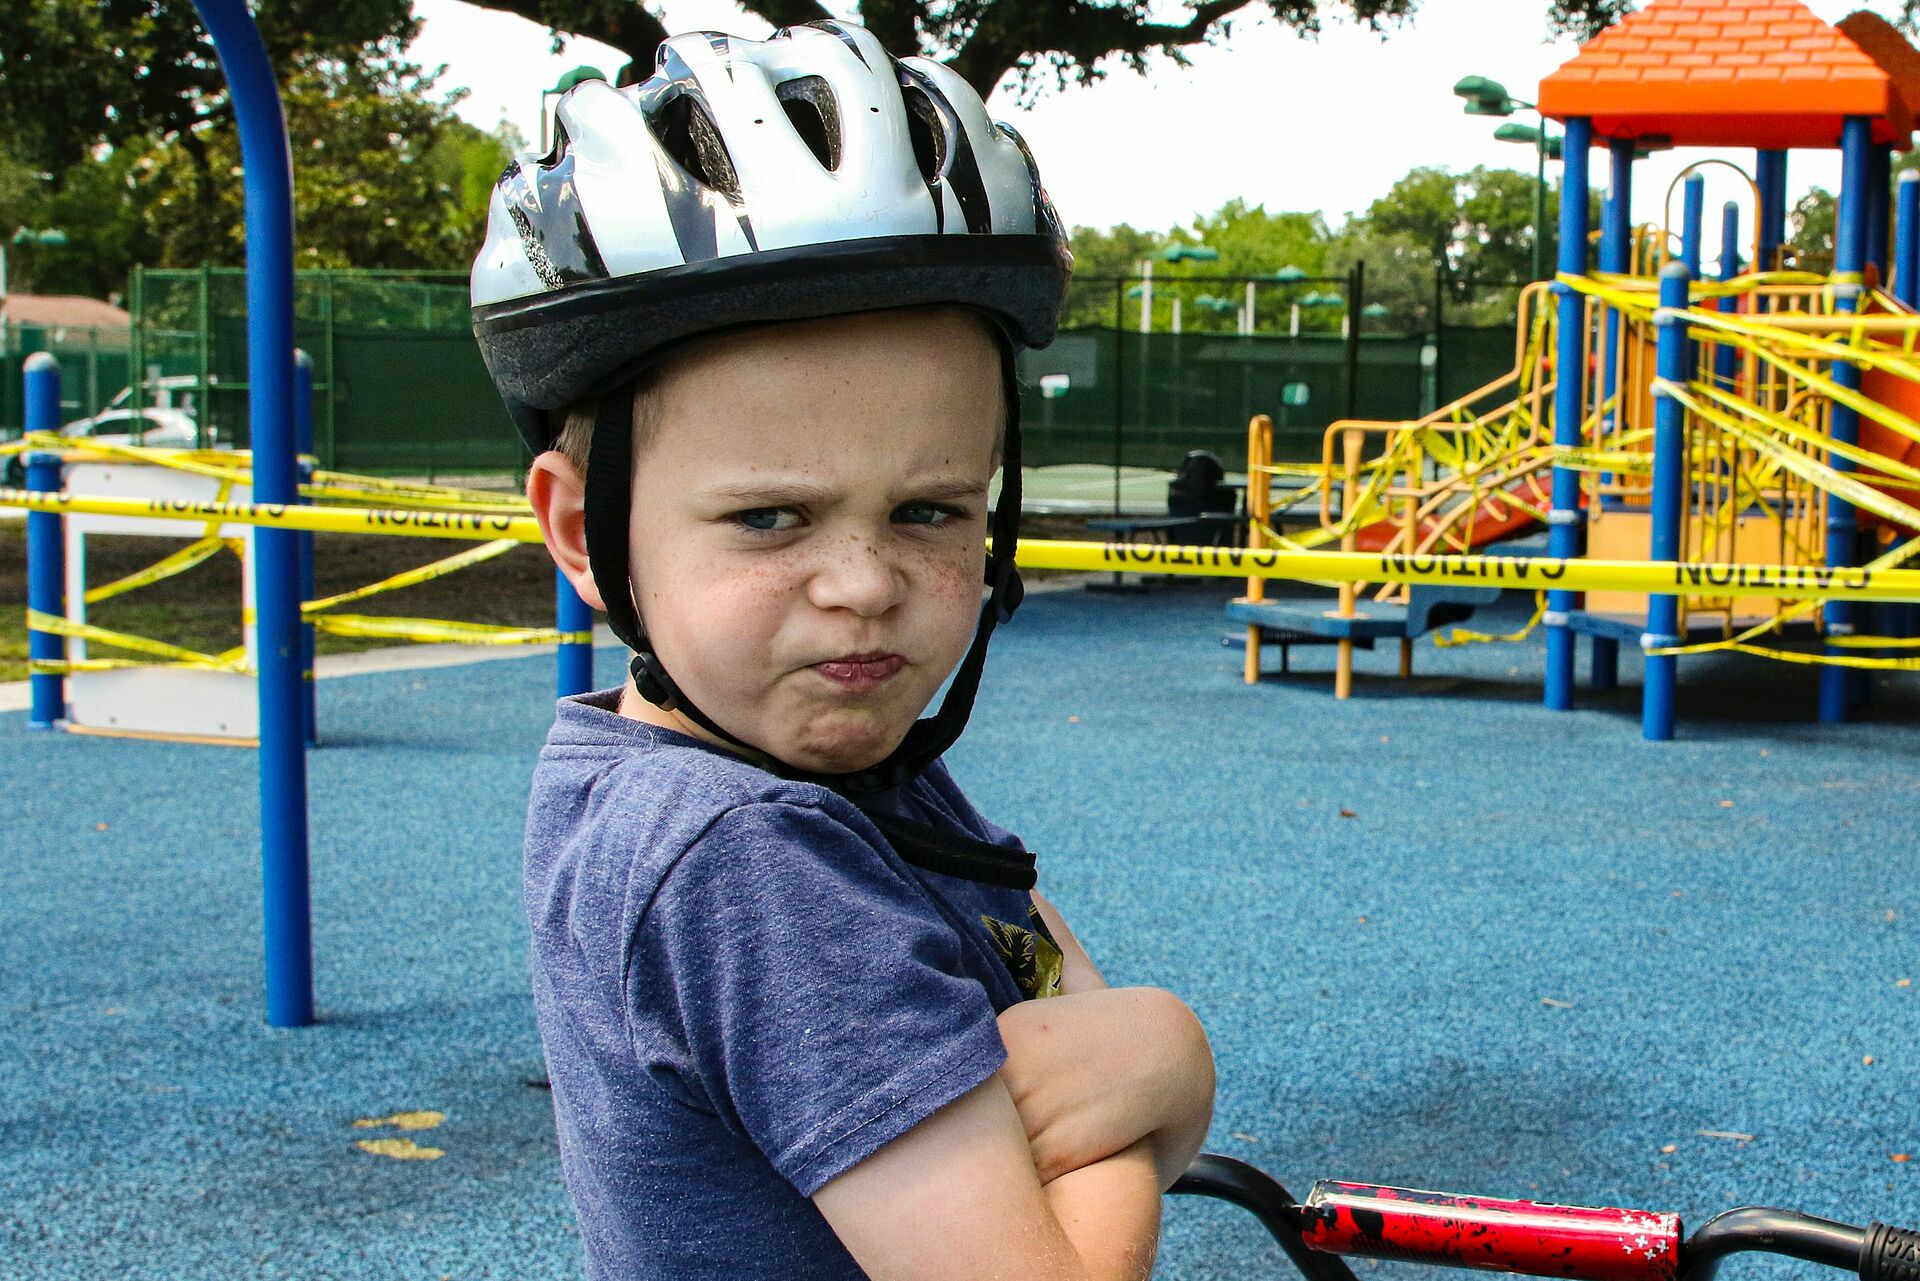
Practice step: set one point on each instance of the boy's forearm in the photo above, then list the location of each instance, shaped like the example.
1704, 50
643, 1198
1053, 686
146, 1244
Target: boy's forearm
1110, 1211
1094, 1074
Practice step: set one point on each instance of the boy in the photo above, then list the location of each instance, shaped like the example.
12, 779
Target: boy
757, 318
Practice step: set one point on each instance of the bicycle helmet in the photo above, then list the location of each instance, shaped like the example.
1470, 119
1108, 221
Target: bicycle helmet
746, 183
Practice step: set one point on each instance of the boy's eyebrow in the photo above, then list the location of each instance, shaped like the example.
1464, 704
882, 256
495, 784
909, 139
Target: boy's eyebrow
776, 493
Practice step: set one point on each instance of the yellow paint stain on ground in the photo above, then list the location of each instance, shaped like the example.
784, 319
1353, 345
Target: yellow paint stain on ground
423, 1120
399, 1149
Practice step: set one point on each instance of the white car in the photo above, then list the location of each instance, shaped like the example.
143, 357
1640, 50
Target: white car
152, 427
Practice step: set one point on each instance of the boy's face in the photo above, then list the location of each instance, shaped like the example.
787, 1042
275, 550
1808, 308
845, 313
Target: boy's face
808, 528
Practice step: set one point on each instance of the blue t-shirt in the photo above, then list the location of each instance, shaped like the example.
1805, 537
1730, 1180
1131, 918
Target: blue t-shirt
743, 991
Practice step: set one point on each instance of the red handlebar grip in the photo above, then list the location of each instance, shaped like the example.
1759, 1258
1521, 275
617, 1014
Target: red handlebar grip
1500, 1236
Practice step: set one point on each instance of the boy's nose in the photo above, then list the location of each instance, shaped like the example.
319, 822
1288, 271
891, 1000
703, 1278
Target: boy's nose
855, 573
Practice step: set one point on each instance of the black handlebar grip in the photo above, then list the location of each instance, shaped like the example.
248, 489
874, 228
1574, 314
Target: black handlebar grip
1890, 1254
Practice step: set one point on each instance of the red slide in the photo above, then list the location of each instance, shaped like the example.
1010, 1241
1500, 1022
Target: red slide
1498, 518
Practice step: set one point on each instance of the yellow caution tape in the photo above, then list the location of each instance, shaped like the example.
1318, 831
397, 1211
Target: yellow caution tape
414, 577
1467, 636
1874, 642
176, 655
178, 563
1662, 577
325, 520
1813, 581
443, 631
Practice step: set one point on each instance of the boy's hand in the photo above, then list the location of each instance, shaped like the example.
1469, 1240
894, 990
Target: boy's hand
1093, 1072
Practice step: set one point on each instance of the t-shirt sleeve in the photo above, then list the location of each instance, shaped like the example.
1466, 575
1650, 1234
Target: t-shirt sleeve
821, 995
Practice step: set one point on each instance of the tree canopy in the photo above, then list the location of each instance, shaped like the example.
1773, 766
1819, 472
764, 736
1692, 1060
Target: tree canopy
1039, 42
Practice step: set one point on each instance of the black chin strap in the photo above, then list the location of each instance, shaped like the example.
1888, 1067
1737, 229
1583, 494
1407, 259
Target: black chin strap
608, 502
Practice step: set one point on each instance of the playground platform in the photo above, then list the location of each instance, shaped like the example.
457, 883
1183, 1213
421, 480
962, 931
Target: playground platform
1440, 938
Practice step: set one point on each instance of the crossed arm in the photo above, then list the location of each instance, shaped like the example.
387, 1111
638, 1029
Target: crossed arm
1053, 1169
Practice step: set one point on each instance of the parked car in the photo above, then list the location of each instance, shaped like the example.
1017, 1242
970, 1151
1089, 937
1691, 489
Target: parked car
152, 427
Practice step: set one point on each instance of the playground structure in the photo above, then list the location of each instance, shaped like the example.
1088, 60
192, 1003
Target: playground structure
281, 518
1765, 417
158, 689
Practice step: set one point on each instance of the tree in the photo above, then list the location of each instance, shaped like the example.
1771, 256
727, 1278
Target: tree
1035, 41
79, 74
1479, 224
386, 176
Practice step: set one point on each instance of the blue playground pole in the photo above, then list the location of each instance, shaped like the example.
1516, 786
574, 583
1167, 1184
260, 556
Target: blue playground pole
283, 766
1569, 399
1906, 287
1770, 176
46, 544
1849, 250
1879, 184
1616, 253
1906, 240
571, 614
1669, 478
303, 445
1693, 214
1726, 359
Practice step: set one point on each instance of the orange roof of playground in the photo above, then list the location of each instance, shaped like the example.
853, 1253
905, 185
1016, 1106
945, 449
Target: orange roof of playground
1734, 73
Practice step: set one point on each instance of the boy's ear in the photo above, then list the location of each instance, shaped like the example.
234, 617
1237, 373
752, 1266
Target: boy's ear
557, 492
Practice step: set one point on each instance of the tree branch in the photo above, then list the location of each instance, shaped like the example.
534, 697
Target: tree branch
628, 27
1073, 33
892, 23
787, 13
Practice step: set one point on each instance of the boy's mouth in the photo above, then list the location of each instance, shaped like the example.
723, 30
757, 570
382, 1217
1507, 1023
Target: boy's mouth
859, 672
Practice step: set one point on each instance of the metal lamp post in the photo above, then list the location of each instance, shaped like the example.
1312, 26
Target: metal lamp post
560, 86
51, 237
1490, 98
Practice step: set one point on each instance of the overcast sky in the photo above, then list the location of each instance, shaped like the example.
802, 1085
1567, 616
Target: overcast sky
1323, 124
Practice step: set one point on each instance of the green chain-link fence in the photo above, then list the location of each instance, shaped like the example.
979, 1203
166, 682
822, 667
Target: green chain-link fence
399, 387
93, 363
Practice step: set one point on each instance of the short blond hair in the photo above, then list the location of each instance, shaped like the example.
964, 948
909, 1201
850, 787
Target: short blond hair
575, 441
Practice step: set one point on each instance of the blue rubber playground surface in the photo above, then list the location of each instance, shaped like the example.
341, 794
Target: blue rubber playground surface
1440, 938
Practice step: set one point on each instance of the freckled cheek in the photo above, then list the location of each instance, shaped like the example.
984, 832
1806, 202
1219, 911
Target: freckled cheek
952, 586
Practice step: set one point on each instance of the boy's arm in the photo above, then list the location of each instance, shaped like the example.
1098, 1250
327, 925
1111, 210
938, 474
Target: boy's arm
1092, 1073
1093, 1070
957, 1196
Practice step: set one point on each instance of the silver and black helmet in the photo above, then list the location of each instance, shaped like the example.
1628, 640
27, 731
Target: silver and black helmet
748, 182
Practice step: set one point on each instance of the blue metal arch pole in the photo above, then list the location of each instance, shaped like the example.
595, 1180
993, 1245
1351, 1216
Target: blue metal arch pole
1879, 192
1569, 402
1671, 360
283, 766
1770, 176
1726, 359
1906, 287
1843, 423
1616, 255
1693, 214
46, 544
1906, 240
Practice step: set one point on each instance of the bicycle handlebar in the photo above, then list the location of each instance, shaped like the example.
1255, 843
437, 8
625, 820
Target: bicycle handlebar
1534, 1238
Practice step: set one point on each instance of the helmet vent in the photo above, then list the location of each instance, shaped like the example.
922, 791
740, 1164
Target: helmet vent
815, 115
687, 133
928, 132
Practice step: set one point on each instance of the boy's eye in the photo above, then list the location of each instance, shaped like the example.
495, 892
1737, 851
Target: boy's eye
924, 514
767, 520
